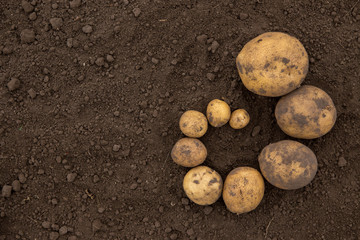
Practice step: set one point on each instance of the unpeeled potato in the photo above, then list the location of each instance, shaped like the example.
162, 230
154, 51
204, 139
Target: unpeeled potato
218, 113
288, 164
189, 152
243, 190
239, 119
193, 123
203, 185
307, 113
272, 64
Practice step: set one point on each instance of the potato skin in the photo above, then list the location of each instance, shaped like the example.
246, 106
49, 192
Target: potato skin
244, 189
218, 113
189, 152
307, 113
239, 119
193, 123
203, 185
272, 64
288, 164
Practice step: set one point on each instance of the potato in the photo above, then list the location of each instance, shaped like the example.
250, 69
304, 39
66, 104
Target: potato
189, 152
243, 190
239, 119
307, 113
203, 185
218, 113
288, 164
272, 64
193, 124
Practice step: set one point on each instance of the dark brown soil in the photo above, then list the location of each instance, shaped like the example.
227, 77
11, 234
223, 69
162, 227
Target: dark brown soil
90, 97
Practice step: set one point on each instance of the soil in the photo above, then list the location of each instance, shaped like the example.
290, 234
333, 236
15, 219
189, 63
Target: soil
90, 97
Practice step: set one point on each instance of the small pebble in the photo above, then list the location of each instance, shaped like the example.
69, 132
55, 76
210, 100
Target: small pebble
202, 38
256, 131
27, 36
87, 29
28, 8
109, 58
214, 46
16, 185
342, 162
154, 61
116, 148
13, 84
96, 225
56, 23
71, 177
22, 178
32, 93
136, 12
46, 224
116, 113
75, 3
100, 61
6, 191
72, 238
96, 179
173, 236
133, 186
63, 230
101, 210
54, 235
210, 76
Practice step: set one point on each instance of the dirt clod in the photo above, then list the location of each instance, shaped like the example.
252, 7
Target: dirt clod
6, 191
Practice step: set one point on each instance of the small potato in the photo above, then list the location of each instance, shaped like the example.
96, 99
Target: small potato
243, 190
239, 119
272, 64
193, 124
288, 164
218, 113
307, 113
203, 185
189, 152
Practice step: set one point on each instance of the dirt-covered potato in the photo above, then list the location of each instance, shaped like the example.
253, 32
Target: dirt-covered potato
239, 119
203, 185
243, 190
193, 123
272, 64
218, 113
307, 113
288, 164
189, 152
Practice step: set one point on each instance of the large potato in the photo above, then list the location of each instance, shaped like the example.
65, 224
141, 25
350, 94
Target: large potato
244, 188
239, 119
193, 123
189, 152
288, 164
218, 113
307, 112
203, 185
272, 64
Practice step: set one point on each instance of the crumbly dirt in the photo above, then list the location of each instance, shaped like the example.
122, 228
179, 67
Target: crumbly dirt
90, 97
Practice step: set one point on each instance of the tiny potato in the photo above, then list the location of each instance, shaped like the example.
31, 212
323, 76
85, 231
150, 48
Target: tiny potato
244, 189
203, 185
218, 113
189, 152
307, 113
193, 123
288, 164
239, 119
272, 64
